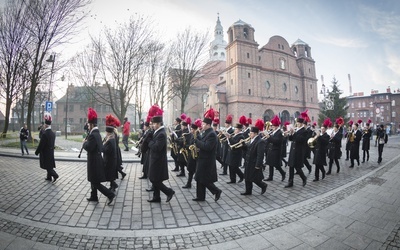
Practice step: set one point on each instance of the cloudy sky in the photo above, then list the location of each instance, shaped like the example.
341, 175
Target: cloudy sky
356, 37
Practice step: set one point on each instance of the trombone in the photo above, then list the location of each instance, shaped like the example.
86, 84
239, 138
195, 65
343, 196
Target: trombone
240, 143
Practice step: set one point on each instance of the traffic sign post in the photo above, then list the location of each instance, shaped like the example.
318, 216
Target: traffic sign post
49, 106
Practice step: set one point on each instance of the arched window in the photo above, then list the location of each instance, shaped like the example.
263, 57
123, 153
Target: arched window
282, 63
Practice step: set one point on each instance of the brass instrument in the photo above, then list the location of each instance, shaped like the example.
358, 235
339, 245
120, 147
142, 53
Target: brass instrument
350, 136
240, 143
267, 125
224, 133
183, 150
193, 149
312, 142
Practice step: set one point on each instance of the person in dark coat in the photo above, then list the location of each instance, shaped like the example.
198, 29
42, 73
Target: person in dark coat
307, 154
182, 143
334, 148
110, 154
45, 149
355, 145
284, 143
274, 141
206, 168
95, 164
224, 143
23, 137
297, 151
144, 147
380, 135
219, 146
322, 141
348, 144
193, 151
178, 132
366, 138
234, 157
253, 169
158, 165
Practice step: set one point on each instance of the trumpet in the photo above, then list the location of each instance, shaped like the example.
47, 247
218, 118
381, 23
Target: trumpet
265, 136
225, 134
240, 143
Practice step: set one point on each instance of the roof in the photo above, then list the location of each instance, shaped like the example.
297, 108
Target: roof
240, 22
299, 42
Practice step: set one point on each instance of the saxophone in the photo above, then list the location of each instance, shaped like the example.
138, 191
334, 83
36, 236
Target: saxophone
183, 150
193, 149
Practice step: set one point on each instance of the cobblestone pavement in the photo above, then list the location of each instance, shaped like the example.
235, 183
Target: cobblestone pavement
41, 214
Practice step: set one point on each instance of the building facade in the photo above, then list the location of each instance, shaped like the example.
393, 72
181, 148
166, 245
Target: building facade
276, 79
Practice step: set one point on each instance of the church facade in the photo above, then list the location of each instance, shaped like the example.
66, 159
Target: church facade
276, 79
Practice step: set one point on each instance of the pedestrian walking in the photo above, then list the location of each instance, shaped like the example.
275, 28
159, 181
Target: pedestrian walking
110, 153
355, 138
125, 133
45, 149
322, 140
366, 138
23, 137
334, 147
382, 139
95, 164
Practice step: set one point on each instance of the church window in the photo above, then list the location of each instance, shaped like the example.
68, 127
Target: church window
311, 86
283, 47
259, 58
296, 89
216, 54
245, 33
249, 91
279, 46
231, 36
284, 87
282, 63
222, 54
311, 99
267, 85
248, 55
248, 75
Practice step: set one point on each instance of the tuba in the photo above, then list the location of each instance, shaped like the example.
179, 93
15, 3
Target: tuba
312, 142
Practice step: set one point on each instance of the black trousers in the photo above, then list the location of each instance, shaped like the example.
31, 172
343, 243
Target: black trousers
233, 171
317, 169
98, 186
190, 178
51, 173
201, 189
365, 152
380, 151
331, 163
249, 185
159, 186
271, 171
299, 171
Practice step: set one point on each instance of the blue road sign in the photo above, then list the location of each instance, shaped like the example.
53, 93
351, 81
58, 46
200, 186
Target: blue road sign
49, 106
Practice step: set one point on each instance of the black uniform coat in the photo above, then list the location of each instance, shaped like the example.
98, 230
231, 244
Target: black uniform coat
335, 143
309, 135
298, 148
206, 168
366, 138
254, 158
95, 164
274, 149
110, 159
119, 155
225, 147
284, 146
235, 154
355, 145
46, 149
320, 149
158, 165
191, 165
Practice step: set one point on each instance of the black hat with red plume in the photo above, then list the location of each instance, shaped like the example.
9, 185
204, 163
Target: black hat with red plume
215, 122
228, 119
258, 126
156, 114
92, 116
110, 123
209, 116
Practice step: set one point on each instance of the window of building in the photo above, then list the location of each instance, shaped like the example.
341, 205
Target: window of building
371, 114
352, 115
311, 99
359, 104
371, 104
267, 85
282, 63
311, 86
248, 55
283, 47
284, 87
352, 105
387, 97
393, 103
216, 54
259, 58
245, 33
248, 75
363, 104
222, 54
393, 114
249, 91
279, 46
365, 113
231, 81
296, 89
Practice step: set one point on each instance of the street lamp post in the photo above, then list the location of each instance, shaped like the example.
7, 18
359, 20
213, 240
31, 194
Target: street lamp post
52, 59
66, 115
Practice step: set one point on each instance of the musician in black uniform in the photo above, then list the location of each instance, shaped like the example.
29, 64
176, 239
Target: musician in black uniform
215, 124
297, 151
334, 147
177, 130
46, 149
366, 138
348, 145
284, 143
235, 154
246, 134
307, 154
206, 168
225, 146
274, 141
355, 145
253, 169
182, 143
322, 141
95, 165
191, 148
158, 165
144, 147
110, 154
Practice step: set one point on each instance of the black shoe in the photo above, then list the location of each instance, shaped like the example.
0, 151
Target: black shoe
268, 179
27, 153
93, 199
289, 185
223, 174
284, 176
231, 182
240, 180
198, 199
154, 200
358, 163
149, 189
110, 199
315, 180
323, 176
143, 177
245, 193
48, 179
187, 186
263, 189
363, 161
338, 170
169, 197
304, 182
55, 179
176, 170
218, 195
347, 159
181, 175
123, 175
351, 166
328, 173
126, 149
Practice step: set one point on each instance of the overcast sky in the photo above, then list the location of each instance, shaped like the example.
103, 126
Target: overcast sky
356, 37
360, 38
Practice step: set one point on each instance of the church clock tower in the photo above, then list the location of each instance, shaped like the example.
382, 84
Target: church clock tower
217, 46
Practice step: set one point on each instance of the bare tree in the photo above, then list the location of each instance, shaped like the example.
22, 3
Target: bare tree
189, 55
48, 25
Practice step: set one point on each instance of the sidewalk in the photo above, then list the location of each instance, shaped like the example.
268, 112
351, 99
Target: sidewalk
356, 209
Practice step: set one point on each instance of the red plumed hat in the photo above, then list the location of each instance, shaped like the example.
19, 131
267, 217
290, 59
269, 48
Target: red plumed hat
92, 116
156, 114
242, 120
276, 121
369, 121
110, 123
286, 123
216, 121
351, 122
249, 121
340, 121
209, 116
187, 121
327, 123
228, 119
47, 118
359, 121
183, 116
196, 124
258, 126
305, 116
153, 110
314, 124
117, 122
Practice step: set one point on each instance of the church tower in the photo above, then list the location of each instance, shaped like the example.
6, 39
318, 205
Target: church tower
217, 46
